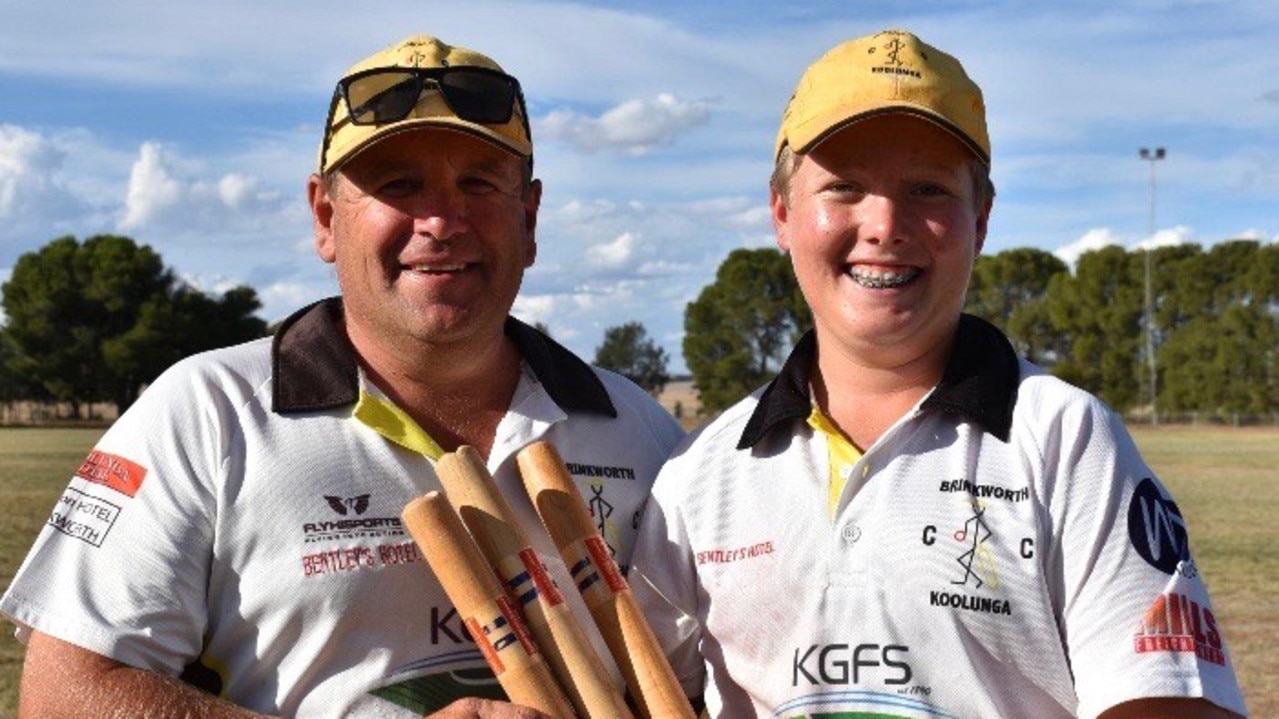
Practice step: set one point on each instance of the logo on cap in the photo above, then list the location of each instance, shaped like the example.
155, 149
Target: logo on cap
893, 64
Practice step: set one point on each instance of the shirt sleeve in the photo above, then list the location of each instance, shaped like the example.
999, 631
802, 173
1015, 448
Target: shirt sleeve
663, 579
121, 566
1136, 617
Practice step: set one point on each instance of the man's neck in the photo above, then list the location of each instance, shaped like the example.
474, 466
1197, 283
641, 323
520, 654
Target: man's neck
456, 393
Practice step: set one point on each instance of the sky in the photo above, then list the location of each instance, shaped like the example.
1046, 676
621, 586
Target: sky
191, 128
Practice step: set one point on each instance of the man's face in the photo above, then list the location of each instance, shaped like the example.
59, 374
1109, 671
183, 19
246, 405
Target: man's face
883, 228
430, 232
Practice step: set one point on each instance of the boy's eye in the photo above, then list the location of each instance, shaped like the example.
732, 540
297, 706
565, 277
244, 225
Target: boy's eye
932, 190
843, 187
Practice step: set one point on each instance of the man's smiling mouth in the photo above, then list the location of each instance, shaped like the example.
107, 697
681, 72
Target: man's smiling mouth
438, 269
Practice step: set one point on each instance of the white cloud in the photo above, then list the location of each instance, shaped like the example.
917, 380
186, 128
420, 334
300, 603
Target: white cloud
615, 254
1171, 237
169, 194
1102, 237
152, 190
634, 127
1092, 240
34, 196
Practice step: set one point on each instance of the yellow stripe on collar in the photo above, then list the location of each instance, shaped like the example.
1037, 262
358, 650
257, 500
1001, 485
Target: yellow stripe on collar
395, 424
841, 456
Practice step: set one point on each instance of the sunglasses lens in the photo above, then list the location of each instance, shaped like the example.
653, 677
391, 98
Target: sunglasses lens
479, 96
382, 97
389, 95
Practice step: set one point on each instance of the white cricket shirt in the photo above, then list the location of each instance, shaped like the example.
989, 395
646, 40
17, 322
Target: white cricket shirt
238, 527
1001, 551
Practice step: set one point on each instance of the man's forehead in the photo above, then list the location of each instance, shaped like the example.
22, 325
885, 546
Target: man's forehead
427, 145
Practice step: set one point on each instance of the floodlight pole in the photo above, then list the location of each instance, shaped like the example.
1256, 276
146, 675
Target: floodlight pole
1151, 156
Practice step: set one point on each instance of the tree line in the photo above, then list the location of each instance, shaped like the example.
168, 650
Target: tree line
96, 321
1214, 323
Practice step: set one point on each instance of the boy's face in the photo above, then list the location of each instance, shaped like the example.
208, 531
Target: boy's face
883, 225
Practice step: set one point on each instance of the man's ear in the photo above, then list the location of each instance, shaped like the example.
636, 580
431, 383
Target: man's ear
781, 215
532, 201
320, 197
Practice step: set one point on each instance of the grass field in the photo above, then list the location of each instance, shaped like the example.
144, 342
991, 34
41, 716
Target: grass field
1225, 481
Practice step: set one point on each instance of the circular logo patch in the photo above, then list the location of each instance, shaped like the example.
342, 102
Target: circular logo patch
1156, 528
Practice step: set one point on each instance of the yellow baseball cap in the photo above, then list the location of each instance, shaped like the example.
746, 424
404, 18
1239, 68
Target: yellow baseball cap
890, 71
345, 137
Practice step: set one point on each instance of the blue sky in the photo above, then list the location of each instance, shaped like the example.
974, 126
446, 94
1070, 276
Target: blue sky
191, 127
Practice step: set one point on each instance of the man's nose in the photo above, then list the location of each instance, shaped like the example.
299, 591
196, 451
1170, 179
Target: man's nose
440, 213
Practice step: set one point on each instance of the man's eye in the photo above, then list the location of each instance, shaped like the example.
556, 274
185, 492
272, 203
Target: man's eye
477, 185
402, 187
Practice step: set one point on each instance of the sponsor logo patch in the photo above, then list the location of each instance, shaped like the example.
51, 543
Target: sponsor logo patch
844, 664
984, 491
1156, 528
84, 517
357, 527
978, 558
114, 471
735, 554
345, 505
1177, 623
351, 559
595, 470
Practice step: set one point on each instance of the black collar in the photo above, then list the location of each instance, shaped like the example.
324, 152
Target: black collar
980, 383
314, 365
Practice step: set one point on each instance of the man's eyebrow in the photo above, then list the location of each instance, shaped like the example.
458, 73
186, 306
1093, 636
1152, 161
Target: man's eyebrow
493, 165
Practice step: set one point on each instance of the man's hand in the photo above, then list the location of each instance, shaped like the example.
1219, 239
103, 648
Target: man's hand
487, 709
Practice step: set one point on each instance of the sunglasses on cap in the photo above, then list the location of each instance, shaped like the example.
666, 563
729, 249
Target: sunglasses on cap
389, 94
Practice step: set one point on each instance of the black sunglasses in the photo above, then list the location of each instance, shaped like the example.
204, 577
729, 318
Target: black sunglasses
389, 94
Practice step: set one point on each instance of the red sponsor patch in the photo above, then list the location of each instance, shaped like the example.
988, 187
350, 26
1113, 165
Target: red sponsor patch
114, 471
1177, 623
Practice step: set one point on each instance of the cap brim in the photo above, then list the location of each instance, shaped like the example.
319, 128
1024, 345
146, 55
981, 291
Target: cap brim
802, 142
338, 156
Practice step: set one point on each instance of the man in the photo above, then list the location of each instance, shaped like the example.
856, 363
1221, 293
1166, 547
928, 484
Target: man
238, 528
908, 521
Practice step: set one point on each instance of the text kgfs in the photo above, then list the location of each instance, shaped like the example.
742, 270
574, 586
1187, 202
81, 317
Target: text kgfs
844, 664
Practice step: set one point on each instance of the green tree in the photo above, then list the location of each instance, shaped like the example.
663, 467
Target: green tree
1213, 364
739, 329
178, 324
1098, 312
64, 299
628, 351
78, 315
1219, 327
1010, 289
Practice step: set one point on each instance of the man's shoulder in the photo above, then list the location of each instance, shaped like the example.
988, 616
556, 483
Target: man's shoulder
632, 401
245, 365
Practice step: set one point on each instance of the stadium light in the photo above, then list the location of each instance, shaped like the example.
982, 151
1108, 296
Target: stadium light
1151, 156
